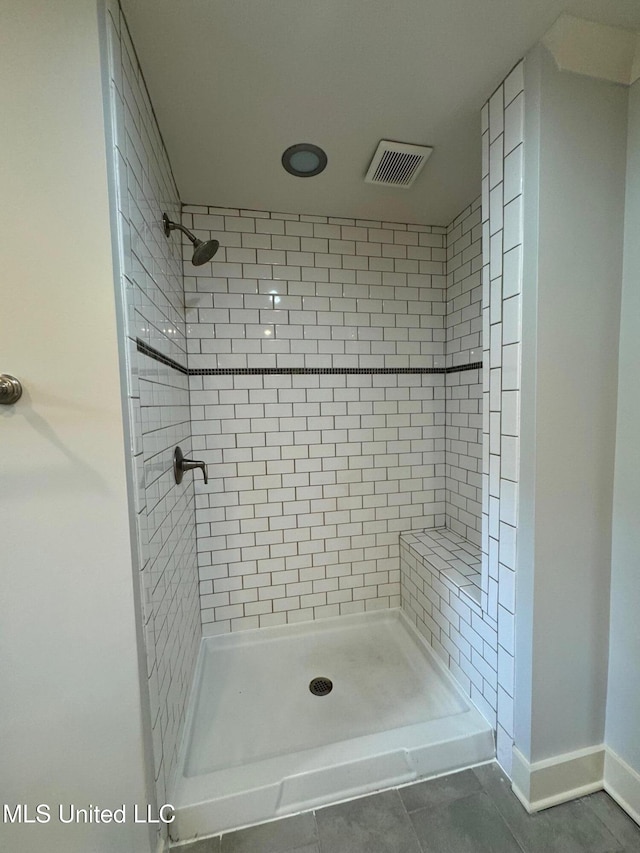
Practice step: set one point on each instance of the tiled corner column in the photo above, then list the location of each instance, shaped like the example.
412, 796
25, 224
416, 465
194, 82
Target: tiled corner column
502, 185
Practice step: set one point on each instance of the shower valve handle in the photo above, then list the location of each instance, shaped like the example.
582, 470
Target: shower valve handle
180, 465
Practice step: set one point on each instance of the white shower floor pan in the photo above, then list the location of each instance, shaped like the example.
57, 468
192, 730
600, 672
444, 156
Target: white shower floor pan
260, 745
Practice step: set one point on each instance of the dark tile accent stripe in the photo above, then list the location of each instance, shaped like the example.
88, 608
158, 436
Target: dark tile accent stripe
261, 371
158, 356
459, 368
296, 371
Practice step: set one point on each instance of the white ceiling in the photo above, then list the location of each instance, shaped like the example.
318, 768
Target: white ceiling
235, 82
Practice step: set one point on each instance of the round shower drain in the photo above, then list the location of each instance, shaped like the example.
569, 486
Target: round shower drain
320, 686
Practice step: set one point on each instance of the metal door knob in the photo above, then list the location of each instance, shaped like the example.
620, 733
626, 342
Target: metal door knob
10, 389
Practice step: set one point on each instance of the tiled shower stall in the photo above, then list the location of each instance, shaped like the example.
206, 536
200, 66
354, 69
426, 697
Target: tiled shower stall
350, 384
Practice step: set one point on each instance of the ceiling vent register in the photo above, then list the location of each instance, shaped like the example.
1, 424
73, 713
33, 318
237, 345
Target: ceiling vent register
397, 164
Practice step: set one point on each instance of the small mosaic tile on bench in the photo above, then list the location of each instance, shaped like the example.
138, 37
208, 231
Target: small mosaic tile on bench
452, 556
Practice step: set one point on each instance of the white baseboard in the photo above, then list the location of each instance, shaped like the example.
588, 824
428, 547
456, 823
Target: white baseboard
543, 784
622, 783
557, 780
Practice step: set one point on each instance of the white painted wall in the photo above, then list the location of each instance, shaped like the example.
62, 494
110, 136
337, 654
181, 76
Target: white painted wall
574, 191
623, 705
70, 712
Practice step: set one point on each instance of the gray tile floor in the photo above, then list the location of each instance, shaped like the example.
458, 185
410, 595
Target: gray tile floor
473, 811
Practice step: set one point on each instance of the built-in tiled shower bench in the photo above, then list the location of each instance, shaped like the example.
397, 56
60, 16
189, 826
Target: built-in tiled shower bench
447, 556
441, 596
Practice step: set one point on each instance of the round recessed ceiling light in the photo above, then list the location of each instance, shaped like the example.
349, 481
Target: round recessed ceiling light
304, 160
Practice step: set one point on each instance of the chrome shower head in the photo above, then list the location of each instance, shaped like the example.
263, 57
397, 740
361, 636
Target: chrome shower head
202, 251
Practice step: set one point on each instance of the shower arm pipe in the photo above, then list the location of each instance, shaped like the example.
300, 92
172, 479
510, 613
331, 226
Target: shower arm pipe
202, 251
170, 226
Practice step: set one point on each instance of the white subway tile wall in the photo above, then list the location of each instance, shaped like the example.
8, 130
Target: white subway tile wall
463, 322
151, 281
464, 286
312, 479
502, 183
309, 291
313, 476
